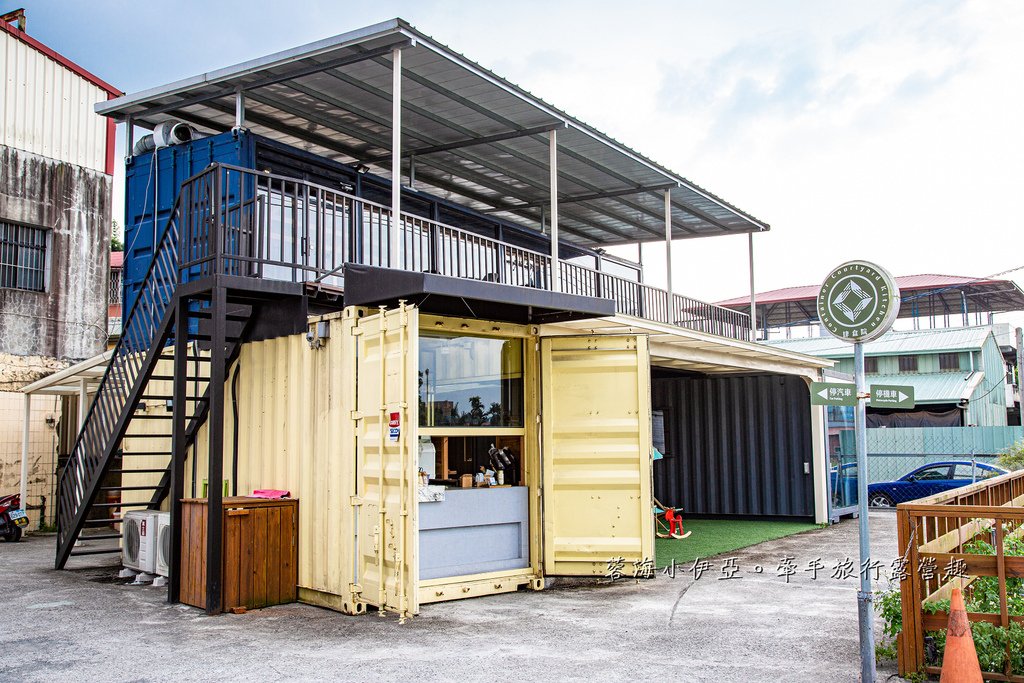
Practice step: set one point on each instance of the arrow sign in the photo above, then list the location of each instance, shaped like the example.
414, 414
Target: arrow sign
892, 396
833, 394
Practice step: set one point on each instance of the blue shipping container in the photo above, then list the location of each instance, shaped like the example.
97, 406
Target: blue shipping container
148, 192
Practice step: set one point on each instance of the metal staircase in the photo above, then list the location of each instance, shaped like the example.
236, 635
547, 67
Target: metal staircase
99, 474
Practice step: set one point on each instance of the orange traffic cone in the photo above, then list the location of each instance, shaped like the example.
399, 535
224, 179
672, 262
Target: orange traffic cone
960, 661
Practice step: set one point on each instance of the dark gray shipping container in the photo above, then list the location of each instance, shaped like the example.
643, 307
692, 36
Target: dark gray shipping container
735, 446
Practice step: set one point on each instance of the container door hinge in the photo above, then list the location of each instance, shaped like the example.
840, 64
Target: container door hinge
356, 415
355, 501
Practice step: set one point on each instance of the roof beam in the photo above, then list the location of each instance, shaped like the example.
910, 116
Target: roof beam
270, 80
444, 92
470, 142
468, 155
601, 195
479, 179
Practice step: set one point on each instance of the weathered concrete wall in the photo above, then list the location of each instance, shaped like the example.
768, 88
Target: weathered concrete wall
68, 321
17, 371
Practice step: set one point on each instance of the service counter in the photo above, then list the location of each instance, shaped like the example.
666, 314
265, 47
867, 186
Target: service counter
474, 531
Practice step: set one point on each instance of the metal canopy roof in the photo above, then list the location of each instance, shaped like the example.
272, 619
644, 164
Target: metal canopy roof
922, 296
477, 139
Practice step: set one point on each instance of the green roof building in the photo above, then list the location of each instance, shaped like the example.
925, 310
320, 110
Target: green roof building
958, 374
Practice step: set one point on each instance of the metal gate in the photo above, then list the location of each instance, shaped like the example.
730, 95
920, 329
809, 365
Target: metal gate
596, 419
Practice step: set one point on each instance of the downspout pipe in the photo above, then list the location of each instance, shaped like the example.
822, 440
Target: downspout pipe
234, 429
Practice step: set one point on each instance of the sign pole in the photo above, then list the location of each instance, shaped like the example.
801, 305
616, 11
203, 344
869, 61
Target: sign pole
858, 302
864, 598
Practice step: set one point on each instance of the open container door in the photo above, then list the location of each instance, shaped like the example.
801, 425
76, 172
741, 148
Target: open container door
386, 464
597, 453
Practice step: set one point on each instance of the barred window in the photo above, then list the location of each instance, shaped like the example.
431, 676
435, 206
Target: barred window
871, 365
114, 292
22, 257
949, 361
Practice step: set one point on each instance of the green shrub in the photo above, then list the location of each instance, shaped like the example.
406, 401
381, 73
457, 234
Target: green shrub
1012, 458
1016, 636
990, 642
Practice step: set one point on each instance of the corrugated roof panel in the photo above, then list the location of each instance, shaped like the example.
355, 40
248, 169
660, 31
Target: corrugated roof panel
894, 343
937, 387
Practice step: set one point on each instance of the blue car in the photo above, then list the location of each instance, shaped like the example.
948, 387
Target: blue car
928, 480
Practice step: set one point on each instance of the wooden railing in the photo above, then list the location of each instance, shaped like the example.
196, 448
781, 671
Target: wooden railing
967, 538
243, 222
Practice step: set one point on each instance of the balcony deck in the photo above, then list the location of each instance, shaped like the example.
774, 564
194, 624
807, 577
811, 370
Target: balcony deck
241, 222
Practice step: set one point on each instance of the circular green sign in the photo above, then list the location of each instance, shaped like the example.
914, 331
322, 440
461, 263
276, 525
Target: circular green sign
858, 301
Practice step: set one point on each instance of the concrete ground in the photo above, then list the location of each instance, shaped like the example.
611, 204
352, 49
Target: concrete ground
86, 625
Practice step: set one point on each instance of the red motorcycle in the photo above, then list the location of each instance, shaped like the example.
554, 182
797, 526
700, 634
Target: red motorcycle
12, 518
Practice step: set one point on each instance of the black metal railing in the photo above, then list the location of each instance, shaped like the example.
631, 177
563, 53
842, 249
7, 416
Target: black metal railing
243, 222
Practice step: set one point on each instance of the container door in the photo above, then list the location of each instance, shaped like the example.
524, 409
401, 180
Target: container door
386, 466
596, 473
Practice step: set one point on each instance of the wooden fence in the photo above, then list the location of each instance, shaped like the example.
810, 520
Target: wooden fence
954, 539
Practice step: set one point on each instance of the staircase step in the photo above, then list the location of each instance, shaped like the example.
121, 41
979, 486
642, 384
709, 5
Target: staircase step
233, 317
167, 453
102, 522
188, 358
146, 471
163, 397
95, 551
152, 417
120, 505
145, 436
168, 378
98, 537
205, 337
129, 488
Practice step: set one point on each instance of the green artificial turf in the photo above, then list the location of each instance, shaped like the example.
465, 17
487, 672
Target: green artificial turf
712, 537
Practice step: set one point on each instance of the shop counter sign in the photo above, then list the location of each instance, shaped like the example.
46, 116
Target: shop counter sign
858, 302
833, 394
394, 427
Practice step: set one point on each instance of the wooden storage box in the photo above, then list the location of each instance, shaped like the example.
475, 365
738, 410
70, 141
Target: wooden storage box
261, 542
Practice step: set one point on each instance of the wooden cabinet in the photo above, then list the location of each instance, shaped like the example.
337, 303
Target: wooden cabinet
260, 565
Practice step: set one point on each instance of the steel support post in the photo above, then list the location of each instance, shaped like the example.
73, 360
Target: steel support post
865, 610
179, 450
395, 237
556, 285
215, 476
753, 294
668, 246
26, 435
239, 109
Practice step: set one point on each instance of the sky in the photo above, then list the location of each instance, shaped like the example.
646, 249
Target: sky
887, 130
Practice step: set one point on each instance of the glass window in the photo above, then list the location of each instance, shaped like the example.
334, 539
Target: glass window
964, 471
932, 473
871, 365
908, 363
949, 361
469, 381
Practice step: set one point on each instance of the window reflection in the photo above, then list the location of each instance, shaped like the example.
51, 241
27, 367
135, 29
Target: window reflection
469, 381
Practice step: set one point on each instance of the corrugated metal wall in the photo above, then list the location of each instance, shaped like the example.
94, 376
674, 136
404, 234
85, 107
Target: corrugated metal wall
735, 445
47, 109
295, 427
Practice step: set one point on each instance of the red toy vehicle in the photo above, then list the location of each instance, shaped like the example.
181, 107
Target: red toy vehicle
12, 518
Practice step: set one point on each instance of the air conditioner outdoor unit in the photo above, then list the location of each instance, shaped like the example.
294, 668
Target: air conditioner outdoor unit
163, 542
138, 540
